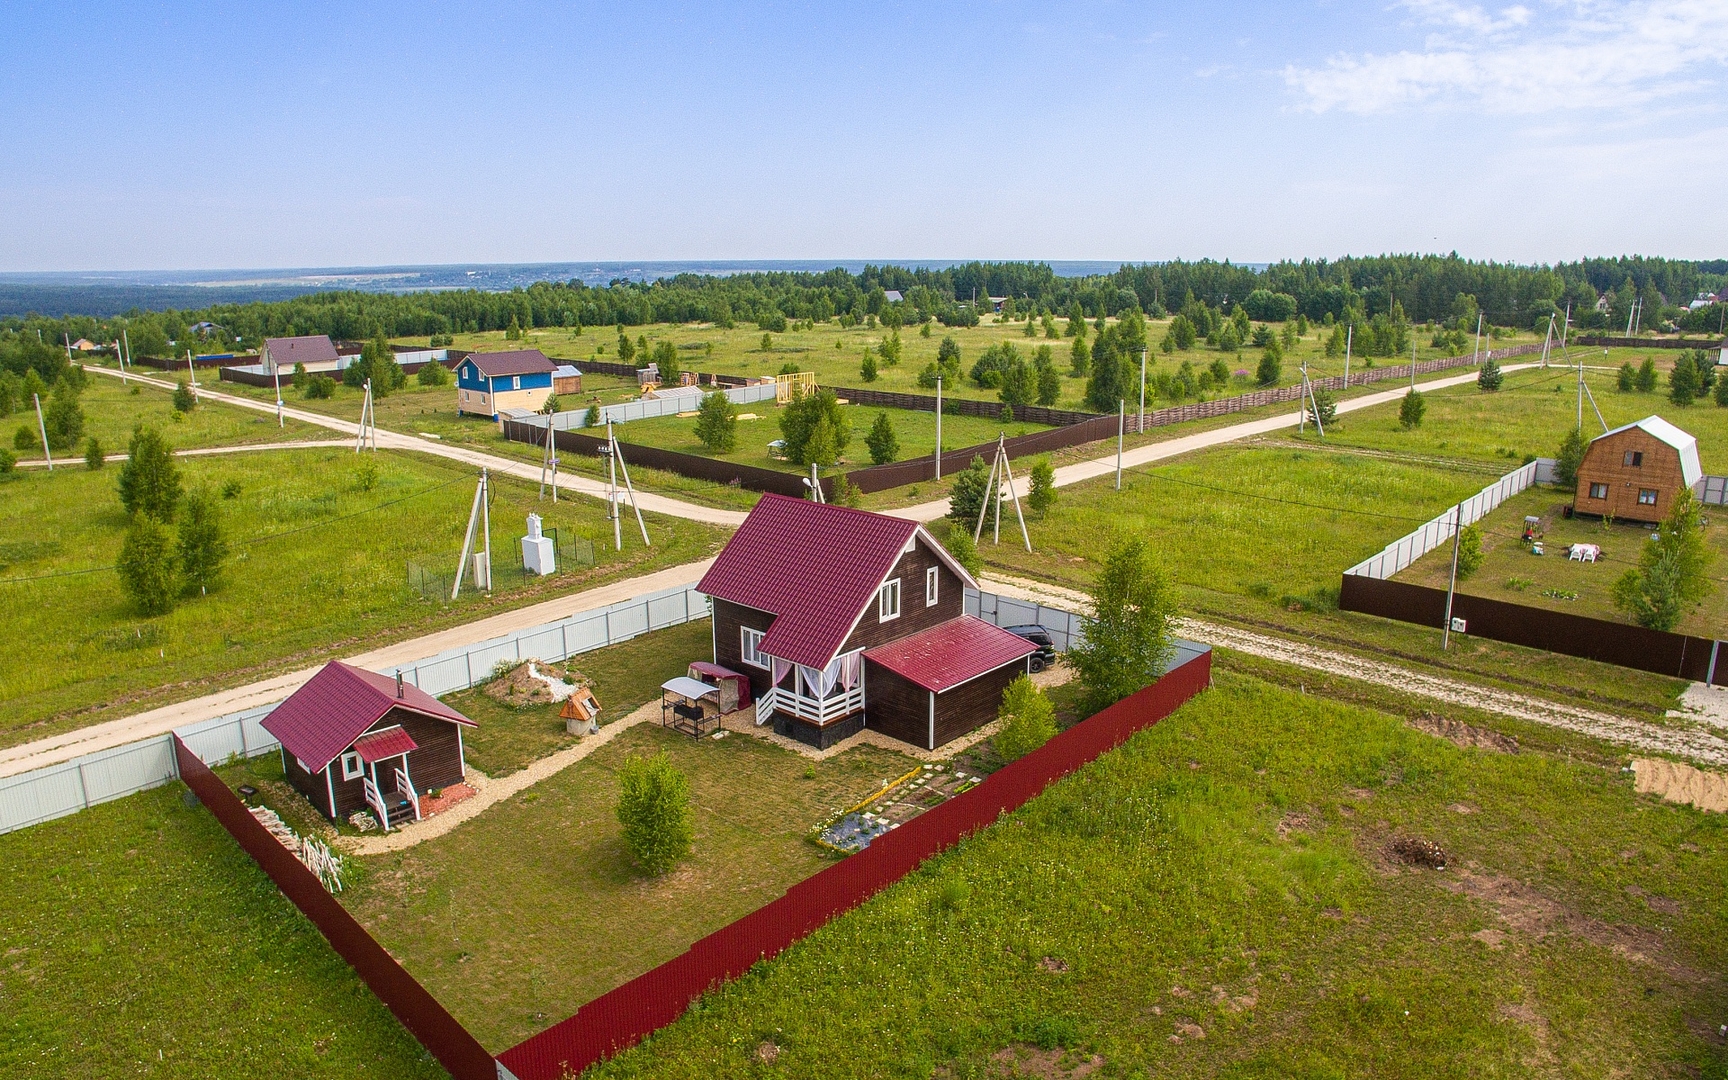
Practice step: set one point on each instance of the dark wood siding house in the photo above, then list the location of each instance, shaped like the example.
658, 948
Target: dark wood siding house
1634, 472
845, 619
355, 740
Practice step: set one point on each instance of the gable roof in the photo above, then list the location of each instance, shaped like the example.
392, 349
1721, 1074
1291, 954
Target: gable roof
1661, 430
518, 362
337, 705
814, 567
951, 653
312, 348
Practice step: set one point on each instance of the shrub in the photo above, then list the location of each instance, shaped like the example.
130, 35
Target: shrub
23, 438
63, 416
150, 480
1626, 379
320, 386
842, 492
1323, 409
184, 399
1028, 720
1670, 571
883, 444
867, 370
1647, 376
201, 547
1721, 392
1469, 551
815, 428
1567, 460
146, 566
1042, 495
967, 496
591, 417
1264, 305
960, 545
8, 462
1490, 377
1683, 381
717, 423
432, 373
1129, 641
299, 378
1271, 367
767, 343
93, 456
1411, 410
654, 809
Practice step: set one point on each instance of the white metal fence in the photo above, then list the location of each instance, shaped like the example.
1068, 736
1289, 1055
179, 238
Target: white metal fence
1407, 549
57, 790
645, 408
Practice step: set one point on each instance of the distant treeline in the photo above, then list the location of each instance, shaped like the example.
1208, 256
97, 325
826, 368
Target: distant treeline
1417, 288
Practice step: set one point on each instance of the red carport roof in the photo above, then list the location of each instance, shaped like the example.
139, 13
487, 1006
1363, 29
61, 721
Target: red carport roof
811, 565
382, 744
337, 705
951, 653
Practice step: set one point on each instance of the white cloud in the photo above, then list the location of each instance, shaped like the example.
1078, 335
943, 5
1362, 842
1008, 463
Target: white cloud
1572, 55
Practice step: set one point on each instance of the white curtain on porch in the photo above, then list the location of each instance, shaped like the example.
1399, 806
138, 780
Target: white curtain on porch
842, 670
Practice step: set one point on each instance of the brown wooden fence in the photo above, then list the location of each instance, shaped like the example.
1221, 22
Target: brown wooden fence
1608, 342
749, 477
959, 406
443, 1037
624, 1016
1679, 655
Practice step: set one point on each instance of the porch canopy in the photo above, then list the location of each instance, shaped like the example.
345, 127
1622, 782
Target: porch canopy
951, 653
391, 742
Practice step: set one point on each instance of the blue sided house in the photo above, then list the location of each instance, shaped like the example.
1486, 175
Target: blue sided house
489, 383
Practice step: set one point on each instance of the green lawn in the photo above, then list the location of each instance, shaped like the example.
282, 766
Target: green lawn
916, 432
836, 354
318, 569
1232, 871
1510, 572
139, 940
512, 936
623, 677
112, 411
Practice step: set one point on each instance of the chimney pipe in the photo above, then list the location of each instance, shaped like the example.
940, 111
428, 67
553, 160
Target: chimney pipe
399, 682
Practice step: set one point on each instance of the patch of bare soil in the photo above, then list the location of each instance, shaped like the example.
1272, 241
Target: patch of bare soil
1679, 783
1415, 851
1528, 912
1466, 735
1292, 822
1024, 1060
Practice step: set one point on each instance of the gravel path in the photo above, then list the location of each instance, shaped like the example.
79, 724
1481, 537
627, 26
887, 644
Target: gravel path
1699, 742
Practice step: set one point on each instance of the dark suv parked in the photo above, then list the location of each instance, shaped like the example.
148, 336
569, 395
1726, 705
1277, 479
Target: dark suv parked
1037, 635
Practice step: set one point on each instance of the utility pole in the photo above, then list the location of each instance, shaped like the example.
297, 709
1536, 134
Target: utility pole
938, 427
126, 340
1452, 586
192, 374
43, 429
1121, 415
276, 370
1476, 355
1140, 424
1349, 338
612, 489
474, 513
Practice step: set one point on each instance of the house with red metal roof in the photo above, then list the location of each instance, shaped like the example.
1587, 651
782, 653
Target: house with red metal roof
846, 620
489, 383
355, 740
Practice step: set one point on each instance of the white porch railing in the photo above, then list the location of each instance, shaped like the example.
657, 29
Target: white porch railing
407, 788
824, 711
376, 802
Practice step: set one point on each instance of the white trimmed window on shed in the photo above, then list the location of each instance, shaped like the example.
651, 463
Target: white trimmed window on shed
750, 648
888, 601
352, 767
930, 579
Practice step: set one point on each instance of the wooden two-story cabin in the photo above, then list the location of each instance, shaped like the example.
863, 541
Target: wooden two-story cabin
355, 740
845, 619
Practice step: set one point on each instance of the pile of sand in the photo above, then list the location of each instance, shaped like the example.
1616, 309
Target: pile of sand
534, 682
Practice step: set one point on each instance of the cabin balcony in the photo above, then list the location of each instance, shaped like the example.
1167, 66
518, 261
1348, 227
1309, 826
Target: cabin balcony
818, 722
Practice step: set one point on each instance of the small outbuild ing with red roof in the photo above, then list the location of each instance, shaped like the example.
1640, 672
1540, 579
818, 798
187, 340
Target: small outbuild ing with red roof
355, 740
845, 620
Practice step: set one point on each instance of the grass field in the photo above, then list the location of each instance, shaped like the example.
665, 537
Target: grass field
112, 411
916, 432
1230, 872
512, 936
318, 568
1510, 572
836, 353
139, 940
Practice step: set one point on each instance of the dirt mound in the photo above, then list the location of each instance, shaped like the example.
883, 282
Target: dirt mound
1465, 735
1418, 852
534, 683
1682, 784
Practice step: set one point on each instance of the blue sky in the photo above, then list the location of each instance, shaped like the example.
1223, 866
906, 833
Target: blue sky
261, 135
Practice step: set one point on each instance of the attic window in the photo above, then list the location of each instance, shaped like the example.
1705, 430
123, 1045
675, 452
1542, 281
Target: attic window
888, 601
930, 579
1634, 459
351, 766
911, 545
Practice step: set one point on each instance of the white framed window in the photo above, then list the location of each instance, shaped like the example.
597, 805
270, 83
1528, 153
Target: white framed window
750, 648
352, 768
515, 382
1646, 496
888, 601
1598, 491
305, 768
930, 578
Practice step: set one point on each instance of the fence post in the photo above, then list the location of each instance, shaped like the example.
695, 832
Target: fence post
83, 788
564, 639
468, 661
242, 722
